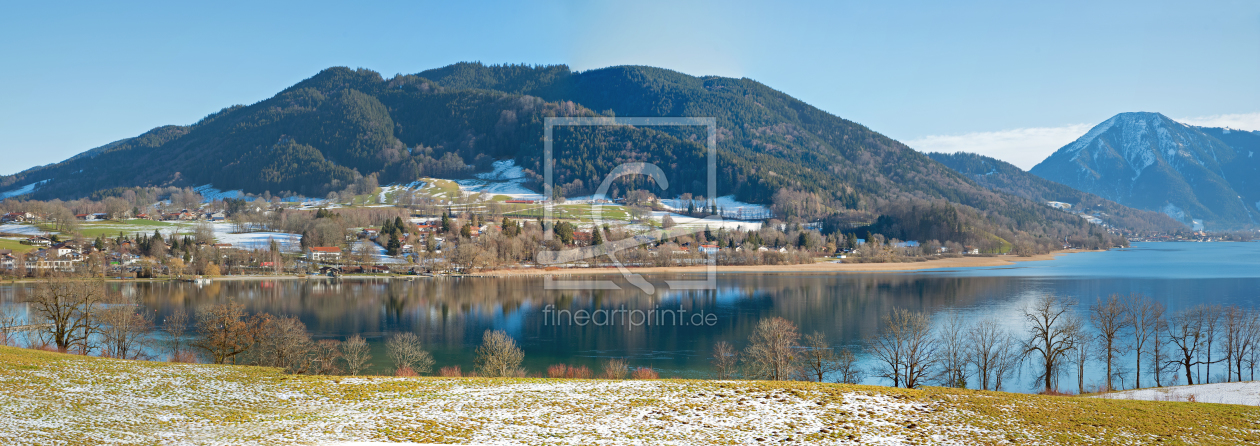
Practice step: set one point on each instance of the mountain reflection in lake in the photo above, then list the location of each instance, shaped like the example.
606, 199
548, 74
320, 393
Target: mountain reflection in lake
450, 314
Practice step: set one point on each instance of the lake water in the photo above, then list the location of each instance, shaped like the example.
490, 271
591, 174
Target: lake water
450, 314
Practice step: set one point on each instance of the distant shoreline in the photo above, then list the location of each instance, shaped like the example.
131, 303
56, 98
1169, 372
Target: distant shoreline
809, 268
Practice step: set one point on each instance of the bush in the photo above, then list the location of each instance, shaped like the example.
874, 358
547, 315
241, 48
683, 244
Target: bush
451, 372
568, 371
615, 369
498, 355
406, 352
405, 371
645, 373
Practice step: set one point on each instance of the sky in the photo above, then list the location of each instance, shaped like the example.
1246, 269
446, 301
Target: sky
1013, 80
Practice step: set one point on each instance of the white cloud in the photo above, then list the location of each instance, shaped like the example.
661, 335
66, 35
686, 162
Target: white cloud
1240, 121
1021, 147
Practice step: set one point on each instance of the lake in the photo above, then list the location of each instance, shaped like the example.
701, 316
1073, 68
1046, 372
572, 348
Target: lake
450, 314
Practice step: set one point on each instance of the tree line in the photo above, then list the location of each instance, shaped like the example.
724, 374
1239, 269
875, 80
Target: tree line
1131, 338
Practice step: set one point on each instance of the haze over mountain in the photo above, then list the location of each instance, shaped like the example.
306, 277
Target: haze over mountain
332, 129
1148, 161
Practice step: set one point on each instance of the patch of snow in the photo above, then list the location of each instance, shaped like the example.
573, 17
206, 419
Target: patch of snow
700, 223
256, 240
23, 190
1245, 393
503, 171
21, 229
1175, 212
1084, 141
210, 193
377, 251
728, 206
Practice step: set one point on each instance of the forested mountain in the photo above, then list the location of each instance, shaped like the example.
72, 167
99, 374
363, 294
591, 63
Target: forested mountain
1147, 161
1003, 176
331, 129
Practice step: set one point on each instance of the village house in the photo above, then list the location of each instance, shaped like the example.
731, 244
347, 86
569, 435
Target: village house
429, 226
62, 249
323, 254
17, 217
37, 241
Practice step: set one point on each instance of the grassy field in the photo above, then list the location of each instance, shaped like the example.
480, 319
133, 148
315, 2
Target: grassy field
110, 228
15, 245
51, 398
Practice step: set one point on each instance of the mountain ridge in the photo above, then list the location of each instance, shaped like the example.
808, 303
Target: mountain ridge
1148, 161
341, 125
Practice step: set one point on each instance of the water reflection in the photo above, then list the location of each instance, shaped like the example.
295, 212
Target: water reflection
450, 314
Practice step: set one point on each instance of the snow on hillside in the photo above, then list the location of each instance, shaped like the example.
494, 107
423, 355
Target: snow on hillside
22, 190
506, 179
210, 193
1244, 393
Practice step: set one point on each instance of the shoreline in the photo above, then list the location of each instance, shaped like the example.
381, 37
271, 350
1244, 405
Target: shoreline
809, 268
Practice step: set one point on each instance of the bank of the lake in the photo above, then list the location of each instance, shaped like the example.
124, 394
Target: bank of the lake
826, 266
51, 398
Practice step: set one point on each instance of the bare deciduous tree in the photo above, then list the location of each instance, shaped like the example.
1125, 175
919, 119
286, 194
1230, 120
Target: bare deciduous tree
69, 307
847, 370
952, 353
724, 360
1109, 318
1233, 320
325, 356
993, 351
1211, 330
1144, 316
771, 353
1159, 351
1185, 331
224, 331
818, 358
9, 320
904, 350
408, 354
124, 329
498, 355
356, 354
1080, 356
1054, 333
284, 343
176, 326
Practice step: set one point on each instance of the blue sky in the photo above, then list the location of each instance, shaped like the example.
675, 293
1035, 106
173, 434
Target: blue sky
1011, 79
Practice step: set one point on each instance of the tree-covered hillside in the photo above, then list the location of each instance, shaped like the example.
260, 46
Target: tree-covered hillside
328, 131
1005, 177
